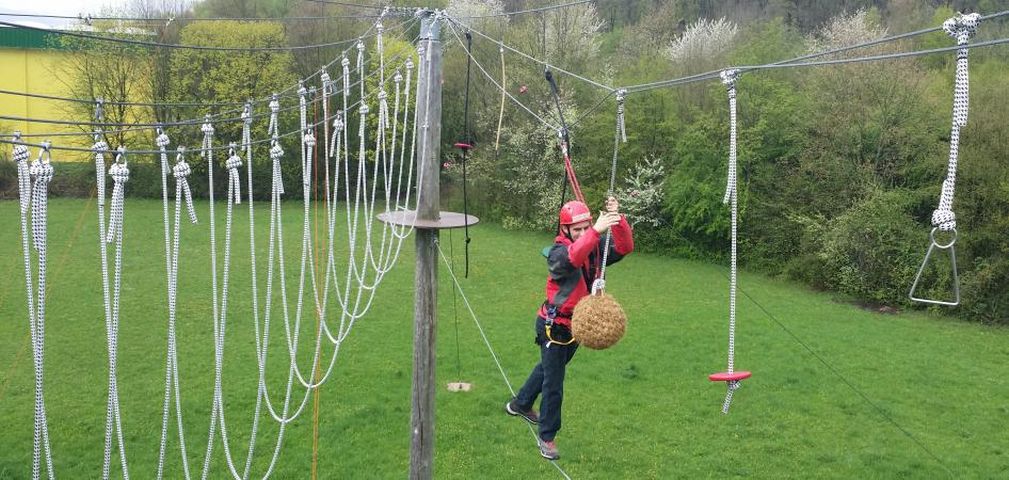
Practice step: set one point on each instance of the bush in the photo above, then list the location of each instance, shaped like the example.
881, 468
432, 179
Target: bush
983, 291
873, 250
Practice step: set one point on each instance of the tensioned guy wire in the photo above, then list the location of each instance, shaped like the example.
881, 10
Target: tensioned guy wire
145, 43
797, 61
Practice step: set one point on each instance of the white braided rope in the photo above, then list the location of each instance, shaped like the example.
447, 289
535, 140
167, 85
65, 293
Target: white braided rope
234, 179
162, 141
120, 175
247, 145
207, 152
119, 171
276, 152
181, 171
367, 207
962, 28
42, 170
382, 261
20, 156
233, 197
327, 91
277, 241
275, 256
599, 284
424, 53
321, 310
100, 148
34, 200
729, 78
172, 239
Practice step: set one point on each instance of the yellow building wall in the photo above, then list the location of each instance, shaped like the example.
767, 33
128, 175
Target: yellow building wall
37, 71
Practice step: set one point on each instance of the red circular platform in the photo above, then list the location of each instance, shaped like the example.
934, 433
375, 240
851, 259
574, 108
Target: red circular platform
728, 377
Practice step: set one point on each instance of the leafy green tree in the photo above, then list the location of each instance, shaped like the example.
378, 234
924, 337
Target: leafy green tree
228, 76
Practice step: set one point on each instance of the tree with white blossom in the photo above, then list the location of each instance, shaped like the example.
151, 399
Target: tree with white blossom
642, 198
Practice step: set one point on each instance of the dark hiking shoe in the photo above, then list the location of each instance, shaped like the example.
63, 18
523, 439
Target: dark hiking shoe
511, 408
549, 450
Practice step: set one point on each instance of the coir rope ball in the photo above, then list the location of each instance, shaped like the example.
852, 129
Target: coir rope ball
598, 321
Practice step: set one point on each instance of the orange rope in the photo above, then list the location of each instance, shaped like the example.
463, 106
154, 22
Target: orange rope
318, 314
56, 271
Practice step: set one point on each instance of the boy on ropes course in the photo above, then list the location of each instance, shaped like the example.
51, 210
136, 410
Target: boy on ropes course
572, 264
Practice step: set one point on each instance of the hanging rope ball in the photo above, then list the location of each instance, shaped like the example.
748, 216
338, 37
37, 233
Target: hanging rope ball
598, 321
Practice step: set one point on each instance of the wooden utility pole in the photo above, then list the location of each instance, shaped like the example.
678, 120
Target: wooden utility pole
427, 220
425, 320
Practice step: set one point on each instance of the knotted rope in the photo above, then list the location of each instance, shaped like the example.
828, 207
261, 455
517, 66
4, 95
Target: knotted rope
20, 156
232, 164
276, 151
120, 174
35, 198
962, 28
181, 171
112, 417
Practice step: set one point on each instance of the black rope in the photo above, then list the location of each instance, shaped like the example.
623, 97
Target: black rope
465, 151
563, 136
555, 92
455, 308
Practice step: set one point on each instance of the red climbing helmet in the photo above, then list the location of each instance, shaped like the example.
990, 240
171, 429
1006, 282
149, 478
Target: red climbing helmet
575, 212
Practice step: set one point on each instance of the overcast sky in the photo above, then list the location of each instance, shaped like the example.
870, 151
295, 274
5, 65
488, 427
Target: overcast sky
58, 7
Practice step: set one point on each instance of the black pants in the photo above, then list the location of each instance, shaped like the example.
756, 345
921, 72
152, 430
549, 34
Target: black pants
547, 378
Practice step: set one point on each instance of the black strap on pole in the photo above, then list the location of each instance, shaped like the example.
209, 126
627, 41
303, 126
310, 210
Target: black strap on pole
465, 151
563, 134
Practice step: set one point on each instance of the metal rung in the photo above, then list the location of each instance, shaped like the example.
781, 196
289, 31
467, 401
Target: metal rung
956, 278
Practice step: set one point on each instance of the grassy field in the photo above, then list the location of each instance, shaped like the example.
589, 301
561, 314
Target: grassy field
643, 409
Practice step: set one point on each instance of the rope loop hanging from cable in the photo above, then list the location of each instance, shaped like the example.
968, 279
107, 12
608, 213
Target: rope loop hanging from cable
961, 28
276, 151
232, 164
732, 378
34, 201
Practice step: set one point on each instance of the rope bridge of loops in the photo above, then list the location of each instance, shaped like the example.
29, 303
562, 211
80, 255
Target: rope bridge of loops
367, 181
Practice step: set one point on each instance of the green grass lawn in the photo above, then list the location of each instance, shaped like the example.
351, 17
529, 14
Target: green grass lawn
643, 409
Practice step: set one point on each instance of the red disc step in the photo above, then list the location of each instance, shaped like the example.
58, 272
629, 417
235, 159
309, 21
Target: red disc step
728, 377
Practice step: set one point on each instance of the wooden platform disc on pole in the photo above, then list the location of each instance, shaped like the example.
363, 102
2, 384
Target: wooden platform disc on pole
447, 220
